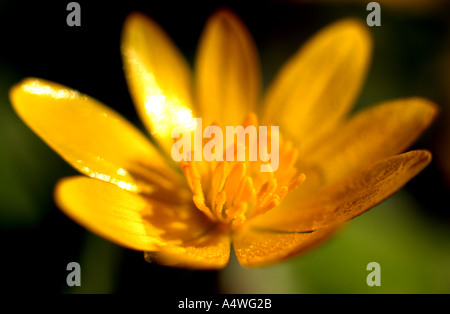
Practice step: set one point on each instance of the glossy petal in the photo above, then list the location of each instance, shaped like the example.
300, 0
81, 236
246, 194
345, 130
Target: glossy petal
158, 77
318, 85
259, 247
125, 218
209, 251
373, 134
227, 70
349, 197
94, 139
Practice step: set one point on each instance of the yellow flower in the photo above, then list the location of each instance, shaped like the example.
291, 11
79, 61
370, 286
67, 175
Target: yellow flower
332, 166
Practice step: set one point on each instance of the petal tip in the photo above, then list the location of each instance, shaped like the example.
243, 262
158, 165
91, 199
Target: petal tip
353, 29
226, 16
137, 22
16, 92
429, 105
424, 156
135, 17
224, 13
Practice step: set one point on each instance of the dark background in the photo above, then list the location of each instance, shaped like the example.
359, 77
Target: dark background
38, 241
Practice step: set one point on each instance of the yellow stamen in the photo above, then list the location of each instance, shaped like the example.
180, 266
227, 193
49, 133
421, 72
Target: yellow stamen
231, 192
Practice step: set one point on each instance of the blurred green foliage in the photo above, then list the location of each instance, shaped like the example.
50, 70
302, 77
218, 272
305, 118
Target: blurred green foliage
411, 248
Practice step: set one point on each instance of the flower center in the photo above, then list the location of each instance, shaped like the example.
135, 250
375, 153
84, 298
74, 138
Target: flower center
233, 191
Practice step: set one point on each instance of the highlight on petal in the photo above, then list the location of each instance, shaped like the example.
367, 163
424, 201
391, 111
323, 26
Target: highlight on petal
93, 138
318, 85
373, 134
125, 218
209, 251
227, 70
158, 77
256, 247
347, 198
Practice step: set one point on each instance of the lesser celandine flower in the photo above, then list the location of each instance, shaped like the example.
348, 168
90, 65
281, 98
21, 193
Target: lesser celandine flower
332, 166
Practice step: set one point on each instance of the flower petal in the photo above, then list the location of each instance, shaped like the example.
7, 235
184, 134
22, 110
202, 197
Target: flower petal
259, 247
373, 134
158, 77
318, 85
209, 251
227, 70
347, 198
93, 138
287, 231
125, 218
